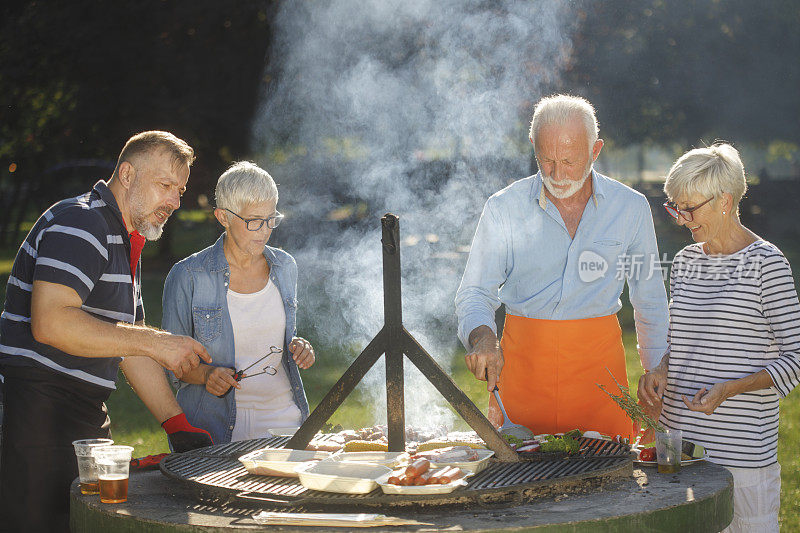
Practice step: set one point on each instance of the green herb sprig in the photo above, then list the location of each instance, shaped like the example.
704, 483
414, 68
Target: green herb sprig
631, 406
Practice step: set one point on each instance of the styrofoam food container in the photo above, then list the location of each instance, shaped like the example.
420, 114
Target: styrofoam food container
278, 461
390, 459
470, 467
340, 476
390, 488
283, 432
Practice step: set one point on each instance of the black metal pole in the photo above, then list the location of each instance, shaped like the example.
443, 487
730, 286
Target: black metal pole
460, 402
338, 393
393, 317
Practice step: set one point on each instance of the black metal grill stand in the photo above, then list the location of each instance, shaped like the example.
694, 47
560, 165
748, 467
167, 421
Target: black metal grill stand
394, 342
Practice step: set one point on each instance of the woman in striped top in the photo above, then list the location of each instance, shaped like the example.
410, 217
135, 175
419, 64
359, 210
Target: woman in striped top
734, 337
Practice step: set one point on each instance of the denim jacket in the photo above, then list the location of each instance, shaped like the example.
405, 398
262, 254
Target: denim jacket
195, 304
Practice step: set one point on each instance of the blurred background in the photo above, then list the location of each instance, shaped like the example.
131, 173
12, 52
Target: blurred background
418, 107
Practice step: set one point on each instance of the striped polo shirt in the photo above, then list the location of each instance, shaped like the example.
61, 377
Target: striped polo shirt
81, 243
731, 316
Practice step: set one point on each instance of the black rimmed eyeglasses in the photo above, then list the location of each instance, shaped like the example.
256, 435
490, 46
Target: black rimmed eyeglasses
255, 224
672, 209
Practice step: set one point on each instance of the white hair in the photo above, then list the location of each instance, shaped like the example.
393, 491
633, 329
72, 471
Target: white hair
562, 108
709, 172
244, 183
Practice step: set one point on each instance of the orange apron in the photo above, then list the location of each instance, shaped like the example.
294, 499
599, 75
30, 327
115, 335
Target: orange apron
552, 368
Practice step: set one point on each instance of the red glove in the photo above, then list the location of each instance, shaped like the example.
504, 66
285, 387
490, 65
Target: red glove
183, 436
147, 463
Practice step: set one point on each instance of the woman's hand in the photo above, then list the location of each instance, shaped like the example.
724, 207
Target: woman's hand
219, 379
652, 386
302, 352
707, 401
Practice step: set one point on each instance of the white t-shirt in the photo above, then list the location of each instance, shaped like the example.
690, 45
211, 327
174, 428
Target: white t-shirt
264, 401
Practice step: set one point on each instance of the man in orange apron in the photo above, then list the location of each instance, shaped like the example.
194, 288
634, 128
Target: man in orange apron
557, 249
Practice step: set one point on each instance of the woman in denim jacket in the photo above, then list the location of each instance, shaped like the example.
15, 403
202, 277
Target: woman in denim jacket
238, 298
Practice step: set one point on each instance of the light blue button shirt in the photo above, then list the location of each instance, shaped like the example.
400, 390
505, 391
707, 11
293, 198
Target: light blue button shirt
522, 256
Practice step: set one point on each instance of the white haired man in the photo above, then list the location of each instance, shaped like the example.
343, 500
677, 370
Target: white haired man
557, 248
73, 309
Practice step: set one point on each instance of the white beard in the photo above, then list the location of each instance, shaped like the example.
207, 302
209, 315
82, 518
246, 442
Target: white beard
151, 231
561, 192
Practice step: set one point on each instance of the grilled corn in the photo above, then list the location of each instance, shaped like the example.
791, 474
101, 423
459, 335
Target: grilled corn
365, 446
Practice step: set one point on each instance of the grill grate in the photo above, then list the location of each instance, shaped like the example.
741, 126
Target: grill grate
218, 478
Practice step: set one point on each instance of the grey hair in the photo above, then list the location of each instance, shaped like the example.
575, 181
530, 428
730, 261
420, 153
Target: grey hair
244, 183
560, 109
709, 172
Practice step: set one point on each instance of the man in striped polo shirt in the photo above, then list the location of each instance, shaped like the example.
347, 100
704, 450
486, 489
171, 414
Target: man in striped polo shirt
73, 310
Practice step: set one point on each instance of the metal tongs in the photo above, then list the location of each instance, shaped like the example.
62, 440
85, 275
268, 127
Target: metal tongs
267, 369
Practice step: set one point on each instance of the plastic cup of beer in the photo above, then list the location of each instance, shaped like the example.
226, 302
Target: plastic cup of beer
668, 451
113, 468
87, 470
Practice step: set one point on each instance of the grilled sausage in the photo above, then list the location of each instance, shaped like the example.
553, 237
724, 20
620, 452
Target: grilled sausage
418, 467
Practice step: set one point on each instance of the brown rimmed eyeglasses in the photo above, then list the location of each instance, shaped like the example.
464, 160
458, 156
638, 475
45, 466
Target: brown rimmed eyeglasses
672, 209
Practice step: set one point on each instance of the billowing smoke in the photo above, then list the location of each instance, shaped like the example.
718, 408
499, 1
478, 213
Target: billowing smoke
416, 107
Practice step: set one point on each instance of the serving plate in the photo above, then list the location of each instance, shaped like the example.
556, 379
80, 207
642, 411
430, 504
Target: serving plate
284, 432
470, 467
697, 452
278, 461
390, 488
341, 477
390, 459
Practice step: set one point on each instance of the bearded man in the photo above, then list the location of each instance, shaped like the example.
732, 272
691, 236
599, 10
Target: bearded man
73, 309
557, 248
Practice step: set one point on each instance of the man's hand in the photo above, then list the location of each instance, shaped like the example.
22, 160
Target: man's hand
302, 352
219, 379
178, 353
485, 360
183, 436
707, 401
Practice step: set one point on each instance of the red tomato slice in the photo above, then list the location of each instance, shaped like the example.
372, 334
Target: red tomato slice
647, 454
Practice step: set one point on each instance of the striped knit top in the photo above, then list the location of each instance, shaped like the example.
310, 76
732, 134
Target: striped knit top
731, 316
81, 243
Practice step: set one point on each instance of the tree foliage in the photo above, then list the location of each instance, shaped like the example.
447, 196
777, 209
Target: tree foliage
668, 71
78, 78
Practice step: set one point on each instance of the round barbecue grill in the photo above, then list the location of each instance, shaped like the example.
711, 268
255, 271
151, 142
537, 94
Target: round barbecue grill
216, 477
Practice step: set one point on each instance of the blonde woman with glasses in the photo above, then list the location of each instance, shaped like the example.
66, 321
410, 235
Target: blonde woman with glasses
238, 298
734, 336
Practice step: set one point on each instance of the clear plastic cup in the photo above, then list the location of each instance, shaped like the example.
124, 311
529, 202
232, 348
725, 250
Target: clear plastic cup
113, 467
87, 470
668, 451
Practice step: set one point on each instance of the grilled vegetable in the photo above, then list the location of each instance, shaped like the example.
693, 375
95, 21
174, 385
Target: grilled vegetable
513, 441
365, 446
647, 454
564, 444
